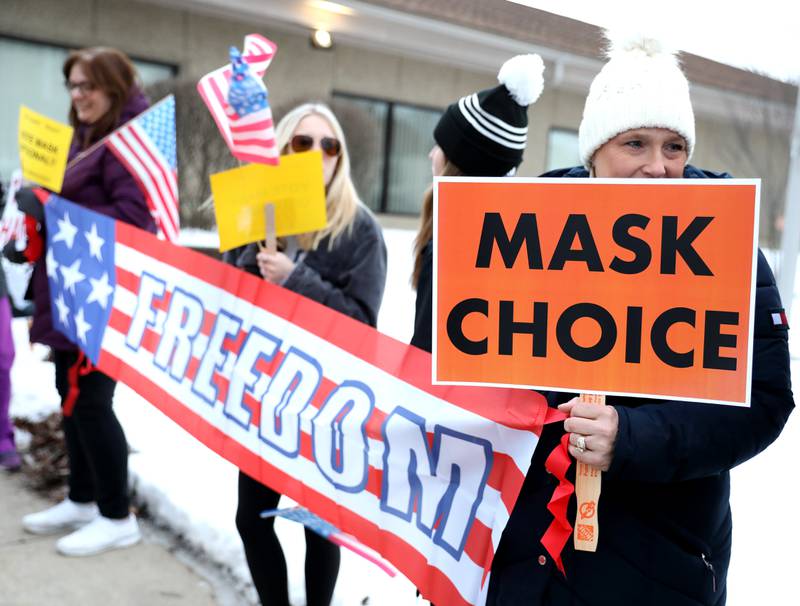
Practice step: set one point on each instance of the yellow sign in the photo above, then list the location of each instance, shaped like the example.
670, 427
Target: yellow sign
296, 188
43, 148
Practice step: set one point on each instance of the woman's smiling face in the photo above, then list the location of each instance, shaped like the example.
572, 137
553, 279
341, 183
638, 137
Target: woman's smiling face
90, 102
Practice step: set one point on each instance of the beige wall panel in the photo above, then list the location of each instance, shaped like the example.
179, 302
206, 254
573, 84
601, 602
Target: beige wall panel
425, 83
207, 42
539, 121
470, 82
299, 72
365, 72
711, 139
143, 30
567, 109
69, 22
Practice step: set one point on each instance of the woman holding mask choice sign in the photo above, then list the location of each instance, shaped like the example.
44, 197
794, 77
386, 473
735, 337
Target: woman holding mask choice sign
664, 509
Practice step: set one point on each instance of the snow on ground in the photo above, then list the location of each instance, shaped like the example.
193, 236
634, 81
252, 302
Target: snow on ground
192, 491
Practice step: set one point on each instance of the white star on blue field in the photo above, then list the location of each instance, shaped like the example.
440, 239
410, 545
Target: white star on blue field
80, 271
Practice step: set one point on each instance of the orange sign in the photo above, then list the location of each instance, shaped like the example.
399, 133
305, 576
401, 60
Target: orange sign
612, 286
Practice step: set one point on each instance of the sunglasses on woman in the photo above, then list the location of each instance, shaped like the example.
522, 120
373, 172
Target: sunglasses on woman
329, 145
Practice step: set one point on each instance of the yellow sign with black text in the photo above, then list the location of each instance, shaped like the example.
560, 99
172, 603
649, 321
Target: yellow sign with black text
43, 148
296, 188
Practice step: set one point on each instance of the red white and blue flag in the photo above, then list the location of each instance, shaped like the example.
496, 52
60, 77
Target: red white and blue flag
249, 133
146, 146
322, 408
333, 534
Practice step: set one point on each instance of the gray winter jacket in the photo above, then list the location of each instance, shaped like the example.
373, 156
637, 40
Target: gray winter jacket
349, 278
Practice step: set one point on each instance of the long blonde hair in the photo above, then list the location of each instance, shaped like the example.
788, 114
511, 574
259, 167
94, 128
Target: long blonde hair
425, 232
341, 200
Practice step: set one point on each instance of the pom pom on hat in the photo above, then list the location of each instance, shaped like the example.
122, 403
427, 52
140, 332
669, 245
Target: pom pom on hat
485, 133
627, 42
523, 77
641, 86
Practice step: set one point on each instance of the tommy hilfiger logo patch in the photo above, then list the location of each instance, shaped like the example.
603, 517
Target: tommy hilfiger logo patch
779, 319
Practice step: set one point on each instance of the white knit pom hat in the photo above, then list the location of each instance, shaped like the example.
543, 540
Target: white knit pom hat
641, 86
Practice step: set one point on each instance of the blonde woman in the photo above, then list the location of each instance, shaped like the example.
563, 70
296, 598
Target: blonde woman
342, 266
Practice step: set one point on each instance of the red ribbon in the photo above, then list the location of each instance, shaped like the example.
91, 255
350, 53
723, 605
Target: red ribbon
35, 245
82, 367
559, 531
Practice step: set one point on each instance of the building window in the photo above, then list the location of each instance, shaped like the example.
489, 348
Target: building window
364, 123
562, 148
31, 76
389, 144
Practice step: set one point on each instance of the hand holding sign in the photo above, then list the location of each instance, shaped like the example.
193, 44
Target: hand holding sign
593, 428
274, 265
598, 428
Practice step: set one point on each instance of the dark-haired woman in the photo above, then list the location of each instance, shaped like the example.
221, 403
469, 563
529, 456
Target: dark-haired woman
104, 94
481, 135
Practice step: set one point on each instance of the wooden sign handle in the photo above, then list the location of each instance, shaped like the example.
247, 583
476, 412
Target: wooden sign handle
587, 493
270, 236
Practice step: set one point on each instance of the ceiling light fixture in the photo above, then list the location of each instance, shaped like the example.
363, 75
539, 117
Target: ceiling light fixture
321, 38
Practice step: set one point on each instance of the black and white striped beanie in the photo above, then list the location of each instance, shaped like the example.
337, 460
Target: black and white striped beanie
485, 133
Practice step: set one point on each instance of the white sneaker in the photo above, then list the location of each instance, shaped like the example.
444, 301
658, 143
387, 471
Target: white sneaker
100, 535
67, 515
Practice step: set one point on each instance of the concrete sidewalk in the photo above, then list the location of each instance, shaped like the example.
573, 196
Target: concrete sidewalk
32, 573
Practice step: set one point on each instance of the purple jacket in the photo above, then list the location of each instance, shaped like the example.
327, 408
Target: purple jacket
99, 182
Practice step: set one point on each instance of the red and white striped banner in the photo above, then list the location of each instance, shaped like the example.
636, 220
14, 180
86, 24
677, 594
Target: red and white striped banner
322, 408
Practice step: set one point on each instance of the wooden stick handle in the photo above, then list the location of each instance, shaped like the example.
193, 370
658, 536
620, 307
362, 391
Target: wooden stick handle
270, 236
587, 492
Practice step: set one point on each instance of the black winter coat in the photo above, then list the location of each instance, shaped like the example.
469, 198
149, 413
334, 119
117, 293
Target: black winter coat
424, 303
664, 513
349, 278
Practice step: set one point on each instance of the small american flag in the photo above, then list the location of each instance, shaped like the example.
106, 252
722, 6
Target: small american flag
327, 530
250, 135
146, 146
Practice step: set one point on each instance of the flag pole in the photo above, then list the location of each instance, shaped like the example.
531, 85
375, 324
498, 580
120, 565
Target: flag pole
270, 243
102, 141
